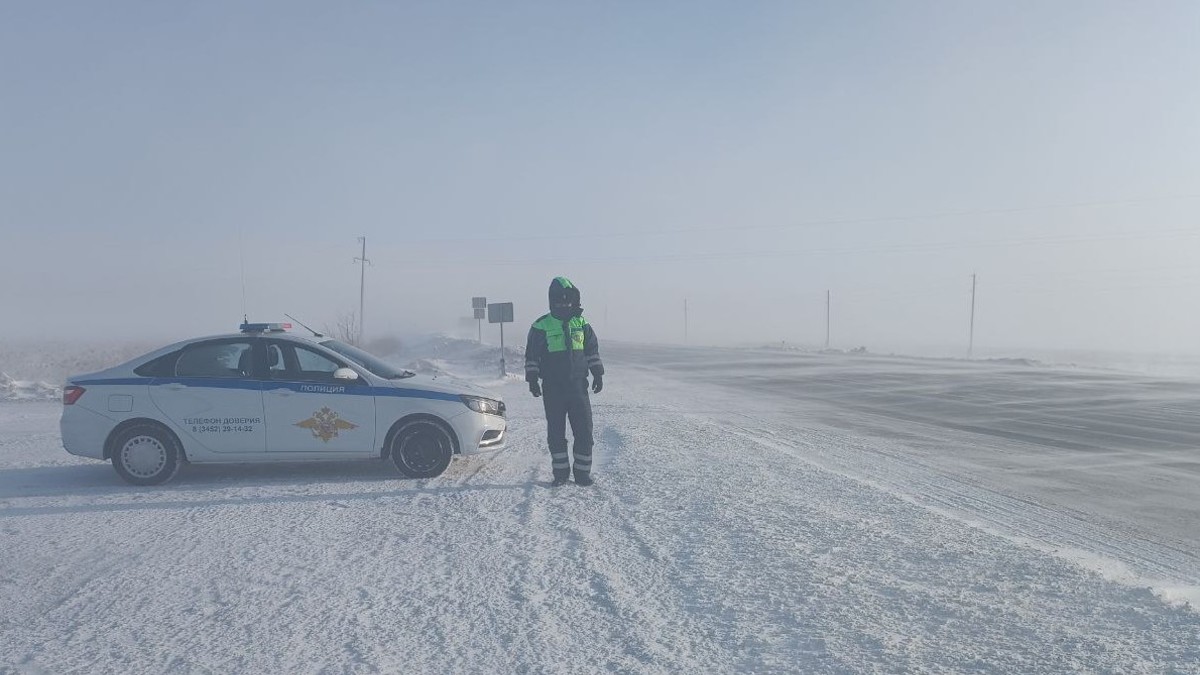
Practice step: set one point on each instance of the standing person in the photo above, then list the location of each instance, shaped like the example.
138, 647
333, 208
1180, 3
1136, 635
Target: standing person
561, 350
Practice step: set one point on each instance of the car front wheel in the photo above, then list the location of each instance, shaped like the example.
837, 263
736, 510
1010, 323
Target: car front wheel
146, 455
422, 449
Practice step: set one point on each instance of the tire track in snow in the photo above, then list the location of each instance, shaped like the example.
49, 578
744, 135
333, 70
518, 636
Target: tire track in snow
1026, 509
579, 566
604, 554
1016, 518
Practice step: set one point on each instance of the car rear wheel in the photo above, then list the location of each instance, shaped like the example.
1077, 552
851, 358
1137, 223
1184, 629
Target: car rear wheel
146, 455
422, 449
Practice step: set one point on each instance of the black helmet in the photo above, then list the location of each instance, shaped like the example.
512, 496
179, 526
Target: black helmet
564, 298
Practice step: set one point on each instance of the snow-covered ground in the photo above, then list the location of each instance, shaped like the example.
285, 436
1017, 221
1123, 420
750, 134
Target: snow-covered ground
755, 511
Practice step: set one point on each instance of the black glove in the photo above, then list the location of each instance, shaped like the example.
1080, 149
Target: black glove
535, 388
597, 383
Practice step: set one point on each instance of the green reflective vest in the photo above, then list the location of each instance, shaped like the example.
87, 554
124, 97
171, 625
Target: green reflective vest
556, 339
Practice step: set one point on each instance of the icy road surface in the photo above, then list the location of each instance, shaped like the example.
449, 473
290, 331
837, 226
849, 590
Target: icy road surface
755, 511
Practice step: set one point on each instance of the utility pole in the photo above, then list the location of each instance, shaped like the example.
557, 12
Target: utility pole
828, 301
685, 321
971, 343
362, 285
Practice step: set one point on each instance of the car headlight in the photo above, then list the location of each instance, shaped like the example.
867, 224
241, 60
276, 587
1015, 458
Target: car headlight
484, 405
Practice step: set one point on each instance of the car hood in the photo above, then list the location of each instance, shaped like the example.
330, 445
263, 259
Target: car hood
443, 385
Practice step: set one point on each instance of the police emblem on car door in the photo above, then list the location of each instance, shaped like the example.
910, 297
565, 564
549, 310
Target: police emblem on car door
325, 424
308, 410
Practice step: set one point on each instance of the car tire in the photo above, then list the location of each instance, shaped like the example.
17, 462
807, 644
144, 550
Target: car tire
422, 449
146, 455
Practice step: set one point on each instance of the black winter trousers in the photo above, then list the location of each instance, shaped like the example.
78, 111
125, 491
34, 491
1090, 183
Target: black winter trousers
563, 401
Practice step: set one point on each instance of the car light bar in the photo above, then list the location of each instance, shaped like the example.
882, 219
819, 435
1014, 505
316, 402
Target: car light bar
265, 327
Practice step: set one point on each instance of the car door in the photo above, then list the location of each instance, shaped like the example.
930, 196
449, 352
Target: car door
212, 395
307, 410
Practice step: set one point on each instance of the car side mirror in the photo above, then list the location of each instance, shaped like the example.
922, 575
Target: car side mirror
345, 374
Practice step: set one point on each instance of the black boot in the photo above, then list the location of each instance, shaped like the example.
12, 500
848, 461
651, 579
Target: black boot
583, 479
559, 480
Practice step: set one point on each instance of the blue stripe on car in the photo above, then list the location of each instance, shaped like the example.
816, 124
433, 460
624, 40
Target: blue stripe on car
416, 393
254, 385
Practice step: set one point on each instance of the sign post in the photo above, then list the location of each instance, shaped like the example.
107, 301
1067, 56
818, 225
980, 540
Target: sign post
479, 305
501, 313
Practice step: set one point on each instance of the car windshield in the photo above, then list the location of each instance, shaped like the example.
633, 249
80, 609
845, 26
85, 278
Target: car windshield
369, 361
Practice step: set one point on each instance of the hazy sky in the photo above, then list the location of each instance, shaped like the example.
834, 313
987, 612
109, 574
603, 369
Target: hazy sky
746, 156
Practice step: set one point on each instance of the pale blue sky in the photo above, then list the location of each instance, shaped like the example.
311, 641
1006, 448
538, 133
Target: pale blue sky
746, 156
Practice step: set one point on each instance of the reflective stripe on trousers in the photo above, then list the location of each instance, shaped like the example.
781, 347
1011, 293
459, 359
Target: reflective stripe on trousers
568, 402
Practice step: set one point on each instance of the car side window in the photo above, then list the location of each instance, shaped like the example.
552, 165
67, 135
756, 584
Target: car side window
315, 366
163, 366
296, 362
220, 359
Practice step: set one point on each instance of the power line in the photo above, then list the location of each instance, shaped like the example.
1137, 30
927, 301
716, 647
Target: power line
927, 247
937, 215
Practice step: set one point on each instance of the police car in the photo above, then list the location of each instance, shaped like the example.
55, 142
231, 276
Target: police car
268, 395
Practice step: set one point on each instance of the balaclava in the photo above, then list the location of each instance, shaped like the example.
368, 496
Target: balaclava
564, 299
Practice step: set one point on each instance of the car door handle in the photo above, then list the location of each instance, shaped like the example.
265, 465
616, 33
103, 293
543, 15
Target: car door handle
174, 386
281, 392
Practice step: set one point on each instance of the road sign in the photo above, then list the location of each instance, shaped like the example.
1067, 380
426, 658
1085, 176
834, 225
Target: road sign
480, 306
500, 312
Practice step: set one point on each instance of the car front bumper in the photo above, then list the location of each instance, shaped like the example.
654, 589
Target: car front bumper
479, 432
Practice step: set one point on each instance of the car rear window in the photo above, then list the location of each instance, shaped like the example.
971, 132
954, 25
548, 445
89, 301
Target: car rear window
215, 359
163, 366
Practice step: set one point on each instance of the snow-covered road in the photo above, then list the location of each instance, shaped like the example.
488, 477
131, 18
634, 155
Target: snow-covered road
755, 512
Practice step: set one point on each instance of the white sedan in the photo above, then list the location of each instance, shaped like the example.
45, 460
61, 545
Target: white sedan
266, 395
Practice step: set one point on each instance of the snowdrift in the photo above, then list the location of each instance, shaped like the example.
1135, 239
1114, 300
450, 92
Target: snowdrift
445, 356
26, 390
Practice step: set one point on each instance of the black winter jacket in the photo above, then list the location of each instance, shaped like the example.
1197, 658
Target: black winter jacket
562, 350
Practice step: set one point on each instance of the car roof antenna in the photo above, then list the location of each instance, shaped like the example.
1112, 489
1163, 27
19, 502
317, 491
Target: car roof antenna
315, 333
